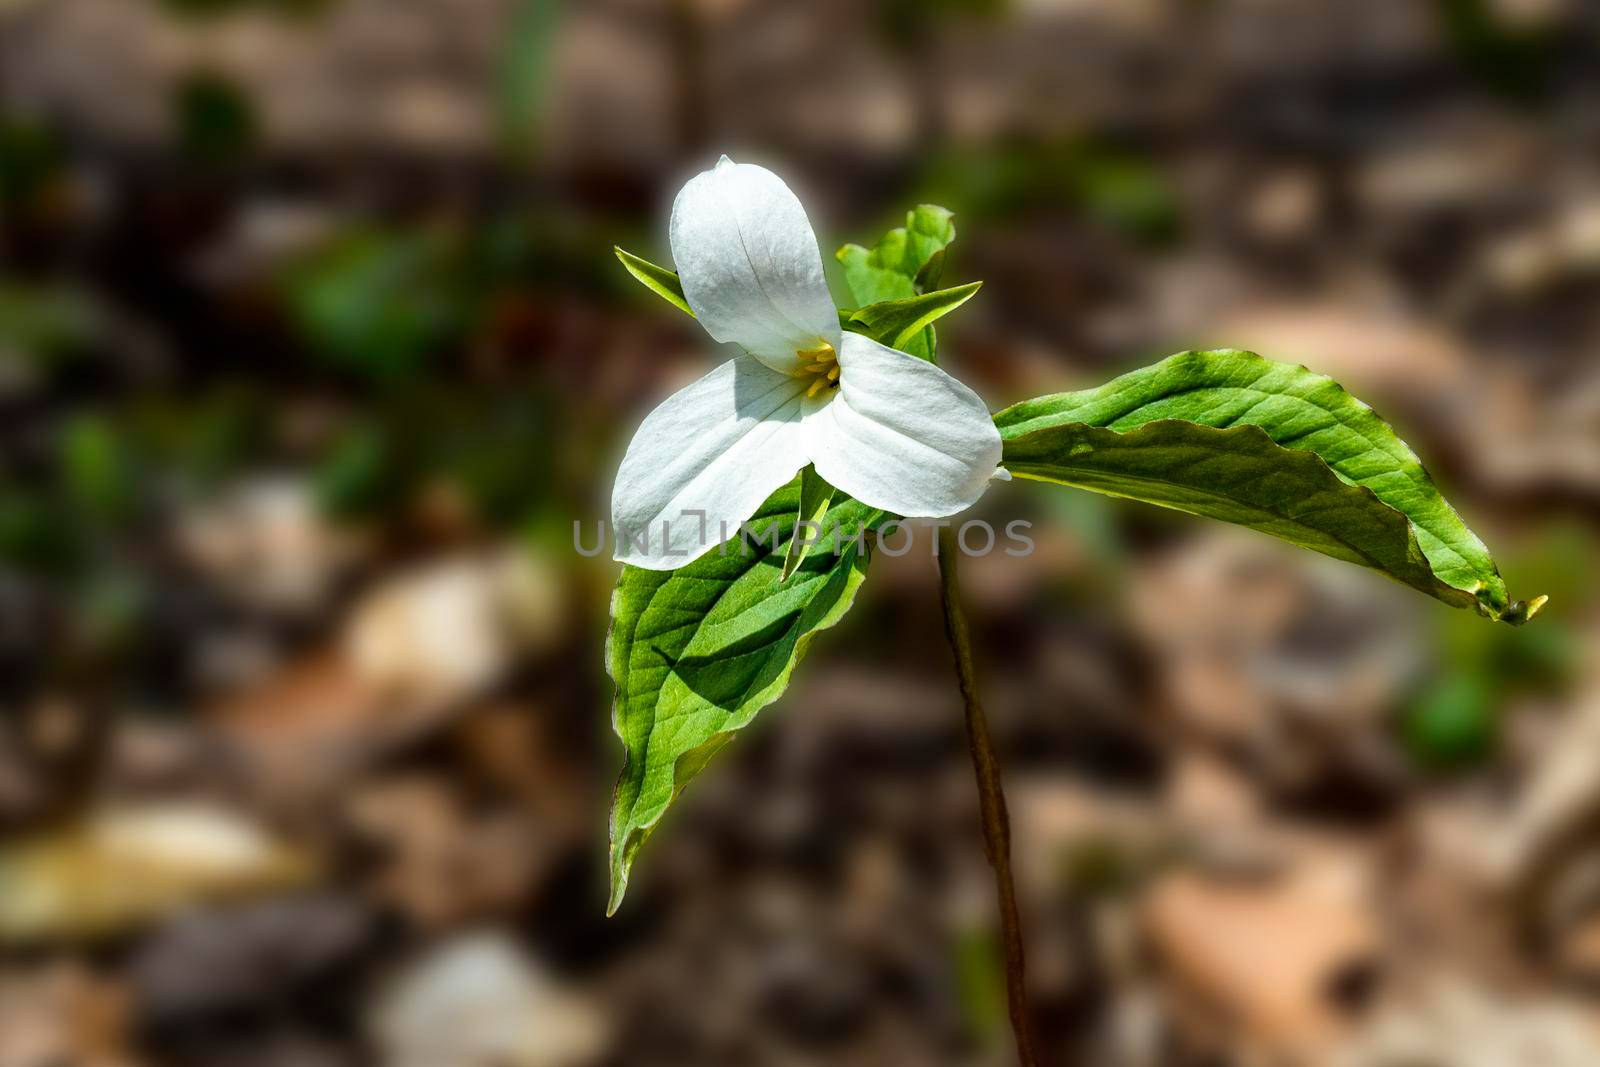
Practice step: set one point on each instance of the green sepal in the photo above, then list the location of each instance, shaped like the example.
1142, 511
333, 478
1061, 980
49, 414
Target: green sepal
815, 496
908, 324
658, 279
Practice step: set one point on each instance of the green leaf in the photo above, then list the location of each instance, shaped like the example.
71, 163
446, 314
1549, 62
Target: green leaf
889, 270
659, 280
698, 651
906, 324
815, 496
1274, 447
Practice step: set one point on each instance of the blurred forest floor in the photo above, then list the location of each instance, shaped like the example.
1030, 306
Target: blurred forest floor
312, 349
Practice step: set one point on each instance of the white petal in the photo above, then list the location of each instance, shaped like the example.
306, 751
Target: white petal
902, 435
750, 265
720, 445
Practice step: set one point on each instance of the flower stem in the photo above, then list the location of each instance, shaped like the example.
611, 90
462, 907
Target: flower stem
991, 798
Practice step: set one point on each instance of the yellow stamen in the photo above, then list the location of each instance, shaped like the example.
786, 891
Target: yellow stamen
820, 362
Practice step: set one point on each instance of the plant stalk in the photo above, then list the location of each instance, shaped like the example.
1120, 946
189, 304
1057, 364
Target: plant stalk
991, 798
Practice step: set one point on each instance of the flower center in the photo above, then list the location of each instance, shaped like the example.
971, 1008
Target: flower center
819, 364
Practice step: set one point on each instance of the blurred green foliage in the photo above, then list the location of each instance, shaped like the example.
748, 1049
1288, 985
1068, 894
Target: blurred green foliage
1095, 524
390, 302
215, 121
201, 9
361, 472
107, 607
31, 158
96, 470
36, 537
1454, 721
491, 447
980, 982
1112, 186
905, 23
497, 447
1453, 724
380, 302
199, 438
1514, 60
45, 326
526, 72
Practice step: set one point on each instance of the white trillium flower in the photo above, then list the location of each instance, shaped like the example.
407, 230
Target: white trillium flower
891, 430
